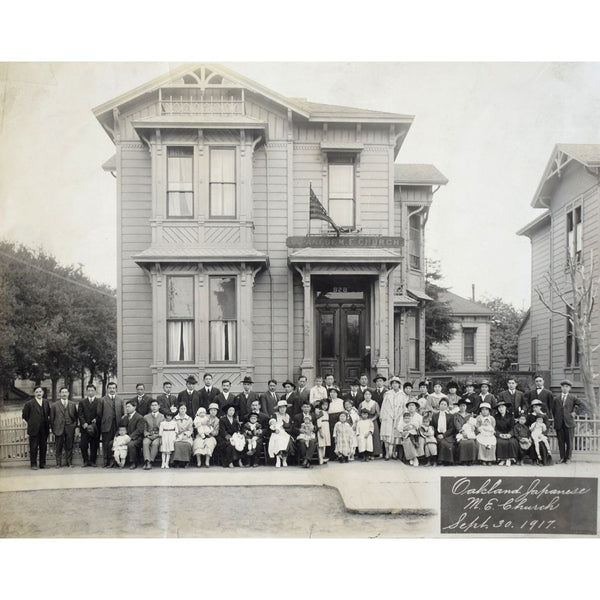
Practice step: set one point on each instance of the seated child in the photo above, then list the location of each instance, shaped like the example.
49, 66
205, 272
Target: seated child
538, 429
364, 435
427, 432
522, 436
410, 439
307, 431
254, 434
344, 437
467, 431
120, 447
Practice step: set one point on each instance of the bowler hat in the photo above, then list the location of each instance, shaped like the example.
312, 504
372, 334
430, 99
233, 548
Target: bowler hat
191, 379
566, 382
379, 377
247, 379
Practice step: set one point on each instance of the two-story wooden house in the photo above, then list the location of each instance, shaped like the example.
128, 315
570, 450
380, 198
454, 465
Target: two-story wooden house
221, 268
569, 227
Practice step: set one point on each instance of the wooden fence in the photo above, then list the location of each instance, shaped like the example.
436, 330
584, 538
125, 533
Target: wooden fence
14, 444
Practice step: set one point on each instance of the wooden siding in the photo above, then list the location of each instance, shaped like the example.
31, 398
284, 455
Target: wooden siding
135, 292
453, 350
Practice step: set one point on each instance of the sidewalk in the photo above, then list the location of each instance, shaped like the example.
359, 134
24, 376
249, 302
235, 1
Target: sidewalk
368, 488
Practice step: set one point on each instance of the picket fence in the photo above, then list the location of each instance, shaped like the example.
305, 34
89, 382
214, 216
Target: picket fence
14, 444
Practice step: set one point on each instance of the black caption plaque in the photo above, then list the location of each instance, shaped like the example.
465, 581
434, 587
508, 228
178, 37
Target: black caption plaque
519, 505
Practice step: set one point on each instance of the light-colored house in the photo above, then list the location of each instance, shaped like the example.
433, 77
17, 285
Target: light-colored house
221, 268
469, 349
569, 226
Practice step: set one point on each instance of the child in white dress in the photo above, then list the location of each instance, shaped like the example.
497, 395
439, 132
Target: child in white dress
427, 432
120, 447
353, 419
307, 431
345, 438
364, 435
323, 431
167, 431
538, 430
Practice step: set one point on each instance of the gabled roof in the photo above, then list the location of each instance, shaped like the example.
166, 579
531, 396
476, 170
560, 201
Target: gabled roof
586, 154
418, 174
462, 307
541, 221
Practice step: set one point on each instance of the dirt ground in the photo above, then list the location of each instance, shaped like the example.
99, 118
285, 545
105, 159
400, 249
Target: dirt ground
188, 512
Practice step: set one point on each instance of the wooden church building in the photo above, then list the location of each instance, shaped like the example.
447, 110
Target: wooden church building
263, 235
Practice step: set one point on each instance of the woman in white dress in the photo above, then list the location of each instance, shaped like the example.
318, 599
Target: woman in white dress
392, 408
204, 442
279, 442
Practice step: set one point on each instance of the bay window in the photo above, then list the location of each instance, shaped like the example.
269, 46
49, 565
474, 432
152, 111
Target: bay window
222, 182
180, 181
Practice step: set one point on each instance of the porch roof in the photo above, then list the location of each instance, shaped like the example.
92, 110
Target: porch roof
404, 300
345, 255
199, 254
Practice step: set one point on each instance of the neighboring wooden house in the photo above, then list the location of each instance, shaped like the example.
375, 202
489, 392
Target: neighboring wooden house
569, 194
469, 349
220, 268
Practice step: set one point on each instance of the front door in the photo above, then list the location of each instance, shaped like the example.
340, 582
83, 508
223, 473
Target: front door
342, 332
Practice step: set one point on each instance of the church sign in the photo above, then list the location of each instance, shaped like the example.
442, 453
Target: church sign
363, 241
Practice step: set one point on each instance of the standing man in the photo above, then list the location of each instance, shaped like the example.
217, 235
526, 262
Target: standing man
353, 395
151, 441
167, 401
207, 395
379, 391
225, 397
63, 420
89, 422
37, 414
143, 400
562, 407
245, 399
289, 395
329, 382
189, 396
302, 395
539, 392
269, 399
135, 425
110, 411
514, 399
364, 384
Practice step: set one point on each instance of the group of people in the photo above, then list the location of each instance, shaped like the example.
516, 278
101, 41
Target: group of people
211, 425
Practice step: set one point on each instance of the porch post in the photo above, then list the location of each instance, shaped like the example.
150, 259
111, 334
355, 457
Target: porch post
307, 367
382, 324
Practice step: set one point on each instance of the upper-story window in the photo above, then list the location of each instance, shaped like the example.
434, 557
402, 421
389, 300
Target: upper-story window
180, 181
469, 344
342, 202
414, 242
222, 182
180, 319
574, 235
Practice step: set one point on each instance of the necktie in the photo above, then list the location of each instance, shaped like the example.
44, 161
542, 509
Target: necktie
564, 399
64, 403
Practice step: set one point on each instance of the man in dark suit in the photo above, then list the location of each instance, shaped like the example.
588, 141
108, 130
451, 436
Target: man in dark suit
269, 399
63, 420
305, 449
354, 395
226, 397
206, 395
302, 395
263, 418
89, 422
364, 384
37, 414
110, 412
244, 400
562, 407
143, 400
514, 399
151, 442
189, 396
289, 395
539, 392
135, 425
380, 390
167, 401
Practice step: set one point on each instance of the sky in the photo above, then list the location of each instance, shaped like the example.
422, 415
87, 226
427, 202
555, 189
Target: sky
488, 127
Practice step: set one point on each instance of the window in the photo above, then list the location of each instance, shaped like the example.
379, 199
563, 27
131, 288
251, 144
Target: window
222, 182
180, 182
572, 346
469, 344
414, 242
534, 353
341, 191
574, 235
180, 319
414, 341
223, 319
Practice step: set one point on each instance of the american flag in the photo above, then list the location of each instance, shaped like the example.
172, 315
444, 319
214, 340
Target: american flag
317, 211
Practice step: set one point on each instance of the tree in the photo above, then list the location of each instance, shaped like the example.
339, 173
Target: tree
505, 323
439, 322
576, 290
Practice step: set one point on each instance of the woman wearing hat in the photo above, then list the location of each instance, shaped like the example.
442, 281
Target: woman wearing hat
392, 409
280, 442
183, 437
228, 426
464, 424
485, 427
373, 409
507, 446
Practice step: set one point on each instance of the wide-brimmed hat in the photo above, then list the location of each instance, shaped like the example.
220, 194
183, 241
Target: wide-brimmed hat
288, 382
484, 382
413, 401
566, 382
395, 378
463, 400
213, 405
191, 379
282, 403
500, 403
536, 402
228, 406
485, 405
247, 379
379, 377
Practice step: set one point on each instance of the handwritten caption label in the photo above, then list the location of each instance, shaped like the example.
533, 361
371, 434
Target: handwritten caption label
519, 505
